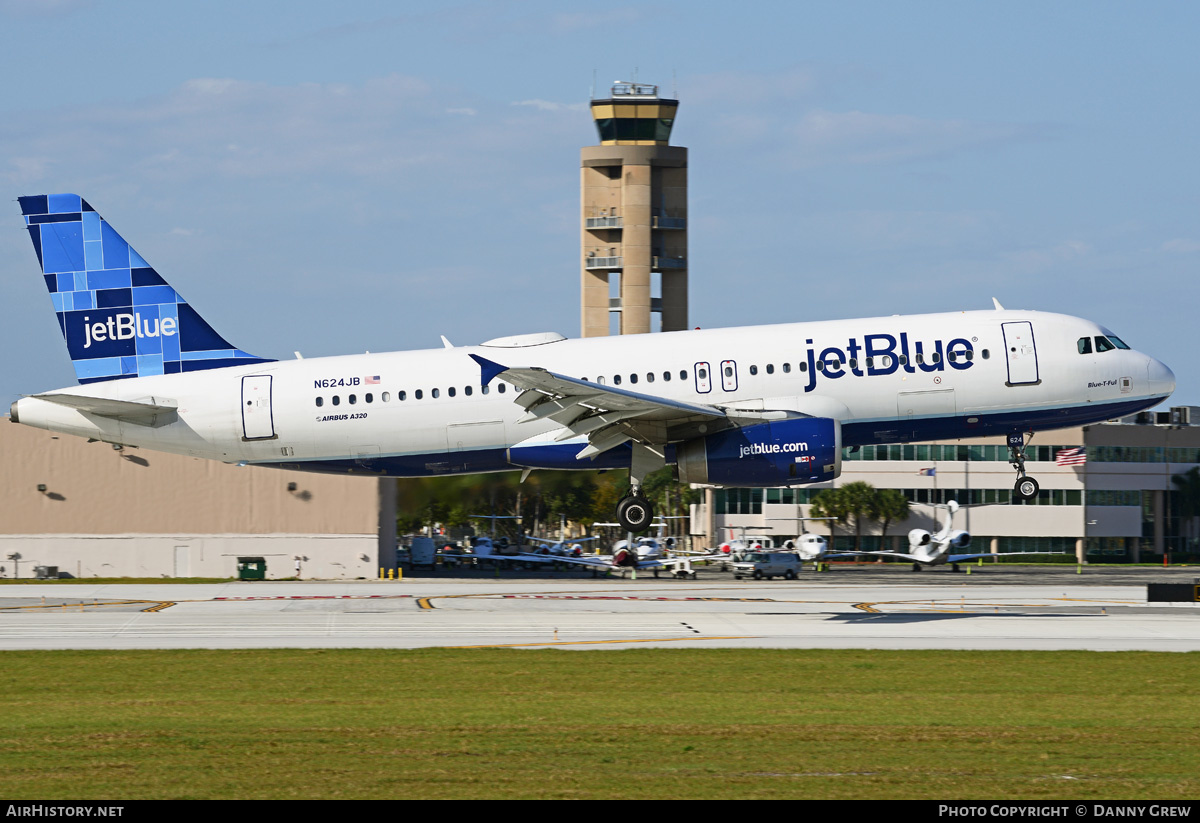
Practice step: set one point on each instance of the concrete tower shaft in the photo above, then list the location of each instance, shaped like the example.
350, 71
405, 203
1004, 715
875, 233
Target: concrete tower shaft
634, 214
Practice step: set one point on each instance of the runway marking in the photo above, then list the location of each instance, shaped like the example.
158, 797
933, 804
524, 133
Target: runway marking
600, 642
314, 597
867, 607
155, 605
630, 597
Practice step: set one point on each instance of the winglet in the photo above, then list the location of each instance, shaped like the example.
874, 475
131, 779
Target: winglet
488, 369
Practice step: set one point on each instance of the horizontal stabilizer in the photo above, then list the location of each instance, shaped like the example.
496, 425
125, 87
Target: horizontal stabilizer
142, 412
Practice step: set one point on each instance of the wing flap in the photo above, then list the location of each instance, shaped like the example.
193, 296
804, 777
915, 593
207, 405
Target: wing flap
607, 415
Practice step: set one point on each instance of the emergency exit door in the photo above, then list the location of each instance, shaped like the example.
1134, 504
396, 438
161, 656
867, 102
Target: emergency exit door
258, 422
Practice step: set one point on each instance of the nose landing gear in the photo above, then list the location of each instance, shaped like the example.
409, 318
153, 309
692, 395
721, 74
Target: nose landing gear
1026, 488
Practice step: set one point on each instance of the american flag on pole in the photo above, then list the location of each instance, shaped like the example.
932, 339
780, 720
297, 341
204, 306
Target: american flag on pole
927, 472
1071, 457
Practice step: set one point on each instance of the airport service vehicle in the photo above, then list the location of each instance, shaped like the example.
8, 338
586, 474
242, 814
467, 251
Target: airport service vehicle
769, 565
757, 406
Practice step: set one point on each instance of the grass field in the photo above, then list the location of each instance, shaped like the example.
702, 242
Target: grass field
613, 724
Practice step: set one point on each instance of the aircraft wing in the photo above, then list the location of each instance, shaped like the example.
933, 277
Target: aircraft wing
959, 558
608, 416
896, 555
566, 542
142, 412
592, 562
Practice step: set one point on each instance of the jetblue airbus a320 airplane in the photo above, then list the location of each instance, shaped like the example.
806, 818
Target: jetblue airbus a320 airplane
750, 406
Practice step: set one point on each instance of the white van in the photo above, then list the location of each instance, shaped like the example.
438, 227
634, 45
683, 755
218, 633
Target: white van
768, 564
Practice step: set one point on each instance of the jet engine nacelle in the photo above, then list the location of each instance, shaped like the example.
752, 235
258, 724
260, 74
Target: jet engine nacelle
959, 539
918, 538
776, 453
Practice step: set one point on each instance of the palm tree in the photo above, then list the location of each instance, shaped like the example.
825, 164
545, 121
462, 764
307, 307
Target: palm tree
890, 506
830, 503
860, 503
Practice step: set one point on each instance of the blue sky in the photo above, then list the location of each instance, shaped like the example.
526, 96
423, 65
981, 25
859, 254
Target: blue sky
333, 178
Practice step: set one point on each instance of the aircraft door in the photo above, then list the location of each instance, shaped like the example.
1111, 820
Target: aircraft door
258, 422
728, 375
1021, 352
703, 378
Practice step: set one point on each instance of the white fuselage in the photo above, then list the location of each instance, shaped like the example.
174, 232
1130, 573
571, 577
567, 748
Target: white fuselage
330, 413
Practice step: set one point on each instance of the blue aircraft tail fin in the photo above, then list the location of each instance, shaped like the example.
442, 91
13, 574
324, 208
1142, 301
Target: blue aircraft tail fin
119, 317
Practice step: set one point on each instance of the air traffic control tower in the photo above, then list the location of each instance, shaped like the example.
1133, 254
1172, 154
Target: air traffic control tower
634, 214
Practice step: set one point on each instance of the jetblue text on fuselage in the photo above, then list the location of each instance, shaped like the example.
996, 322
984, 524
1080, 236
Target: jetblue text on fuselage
885, 353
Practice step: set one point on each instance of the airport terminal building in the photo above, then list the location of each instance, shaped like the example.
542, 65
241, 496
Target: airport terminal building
75, 508
1119, 505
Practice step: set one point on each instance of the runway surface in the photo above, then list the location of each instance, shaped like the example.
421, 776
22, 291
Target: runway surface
862, 608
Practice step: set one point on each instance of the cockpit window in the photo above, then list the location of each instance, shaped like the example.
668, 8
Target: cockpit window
1103, 344
1085, 345
1118, 342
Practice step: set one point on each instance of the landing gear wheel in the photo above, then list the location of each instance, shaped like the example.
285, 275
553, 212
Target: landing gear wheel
916, 567
1026, 488
634, 513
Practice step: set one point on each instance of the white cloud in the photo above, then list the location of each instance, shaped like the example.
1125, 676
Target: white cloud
1181, 245
864, 138
549, 105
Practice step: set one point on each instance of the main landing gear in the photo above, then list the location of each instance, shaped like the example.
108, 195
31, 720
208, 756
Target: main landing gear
1026, 488
635, 512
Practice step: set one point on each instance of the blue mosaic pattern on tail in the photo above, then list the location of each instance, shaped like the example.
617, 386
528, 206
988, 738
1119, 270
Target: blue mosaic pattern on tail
119, 318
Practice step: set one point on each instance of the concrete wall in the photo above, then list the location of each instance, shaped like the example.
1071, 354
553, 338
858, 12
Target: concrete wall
140, 513
326, 556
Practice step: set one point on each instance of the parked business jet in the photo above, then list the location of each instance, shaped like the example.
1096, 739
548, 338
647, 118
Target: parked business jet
642, 554
928, 549
753, 406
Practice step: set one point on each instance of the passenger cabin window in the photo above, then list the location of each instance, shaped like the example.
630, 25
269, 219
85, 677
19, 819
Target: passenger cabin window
1085, 345
320, 402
